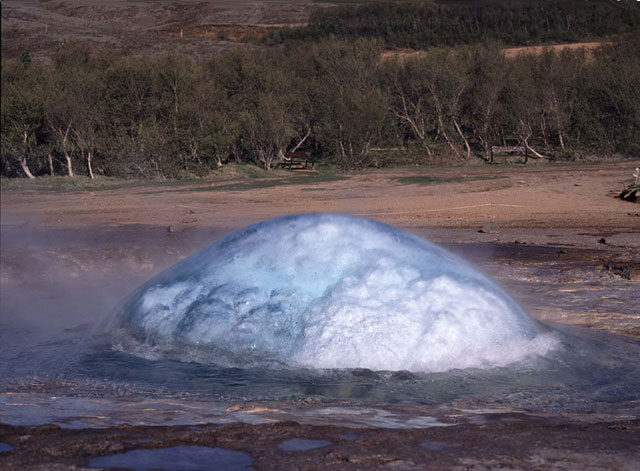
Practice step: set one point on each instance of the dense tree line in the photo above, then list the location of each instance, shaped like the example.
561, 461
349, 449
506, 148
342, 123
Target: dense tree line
135, 117
422, 24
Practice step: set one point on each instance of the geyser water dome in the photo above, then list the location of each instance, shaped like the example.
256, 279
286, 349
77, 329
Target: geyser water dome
328, 291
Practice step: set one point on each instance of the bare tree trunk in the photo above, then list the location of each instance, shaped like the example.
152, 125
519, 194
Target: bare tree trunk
50, 158
69, 165
25, 167
556, 110
560, 138
23, 160
446, 136
341, 144
466, 142
486, 147
543, 129
235, 151
454, 148
404, 114
266, 158
89, 155
534, 152
524, 135
302, 141
159, 174
65, 137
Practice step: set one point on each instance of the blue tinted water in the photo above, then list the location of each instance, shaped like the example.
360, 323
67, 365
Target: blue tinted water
5, 447
177, 458
302, 444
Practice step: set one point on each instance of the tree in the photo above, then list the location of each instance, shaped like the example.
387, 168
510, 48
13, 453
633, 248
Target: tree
609, 88
61, 109
488, 71
447, 80
88, 119
555, 75
258, 92
351, 107
521, 105
211, 135
128, 107
22, 113
408, 96
267, 128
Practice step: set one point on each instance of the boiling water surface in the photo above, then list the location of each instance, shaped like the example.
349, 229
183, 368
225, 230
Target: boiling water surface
348, 315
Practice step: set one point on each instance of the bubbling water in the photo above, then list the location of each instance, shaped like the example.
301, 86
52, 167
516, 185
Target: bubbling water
328, 291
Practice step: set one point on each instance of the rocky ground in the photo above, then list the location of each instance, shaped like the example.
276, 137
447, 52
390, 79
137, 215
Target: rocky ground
503, 443
555, 236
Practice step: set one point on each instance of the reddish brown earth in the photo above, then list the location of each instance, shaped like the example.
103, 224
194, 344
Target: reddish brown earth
512, 220
588, 47
142, 26
507, 443
576, 197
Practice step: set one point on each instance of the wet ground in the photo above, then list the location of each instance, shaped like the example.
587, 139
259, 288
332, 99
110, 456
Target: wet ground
51, 280
503, 441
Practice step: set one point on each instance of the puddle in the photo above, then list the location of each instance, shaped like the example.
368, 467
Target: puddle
302, 444
5, 447
177, 458
435, 446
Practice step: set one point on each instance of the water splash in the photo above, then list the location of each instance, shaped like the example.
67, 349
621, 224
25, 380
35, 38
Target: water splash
328, 291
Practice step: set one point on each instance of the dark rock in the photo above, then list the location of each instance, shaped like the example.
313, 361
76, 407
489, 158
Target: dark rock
628, 271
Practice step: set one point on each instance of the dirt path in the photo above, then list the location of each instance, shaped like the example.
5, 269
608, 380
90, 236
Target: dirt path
510, 52
470, 197
588, 47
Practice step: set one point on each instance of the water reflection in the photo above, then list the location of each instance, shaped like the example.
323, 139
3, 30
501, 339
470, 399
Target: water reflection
177, 458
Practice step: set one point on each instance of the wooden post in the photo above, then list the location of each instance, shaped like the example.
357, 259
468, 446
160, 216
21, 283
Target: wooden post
491, 159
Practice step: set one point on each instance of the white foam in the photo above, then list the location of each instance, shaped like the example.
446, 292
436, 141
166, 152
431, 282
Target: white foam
332, 291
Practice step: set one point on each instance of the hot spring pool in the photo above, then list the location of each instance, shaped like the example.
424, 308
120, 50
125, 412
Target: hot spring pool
344, 313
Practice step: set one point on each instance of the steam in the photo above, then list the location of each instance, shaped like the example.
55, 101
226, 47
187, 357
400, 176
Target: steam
328, 291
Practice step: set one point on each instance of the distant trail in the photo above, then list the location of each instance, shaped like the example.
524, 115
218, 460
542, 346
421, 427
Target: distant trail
509, 52
587, 46
476, 206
